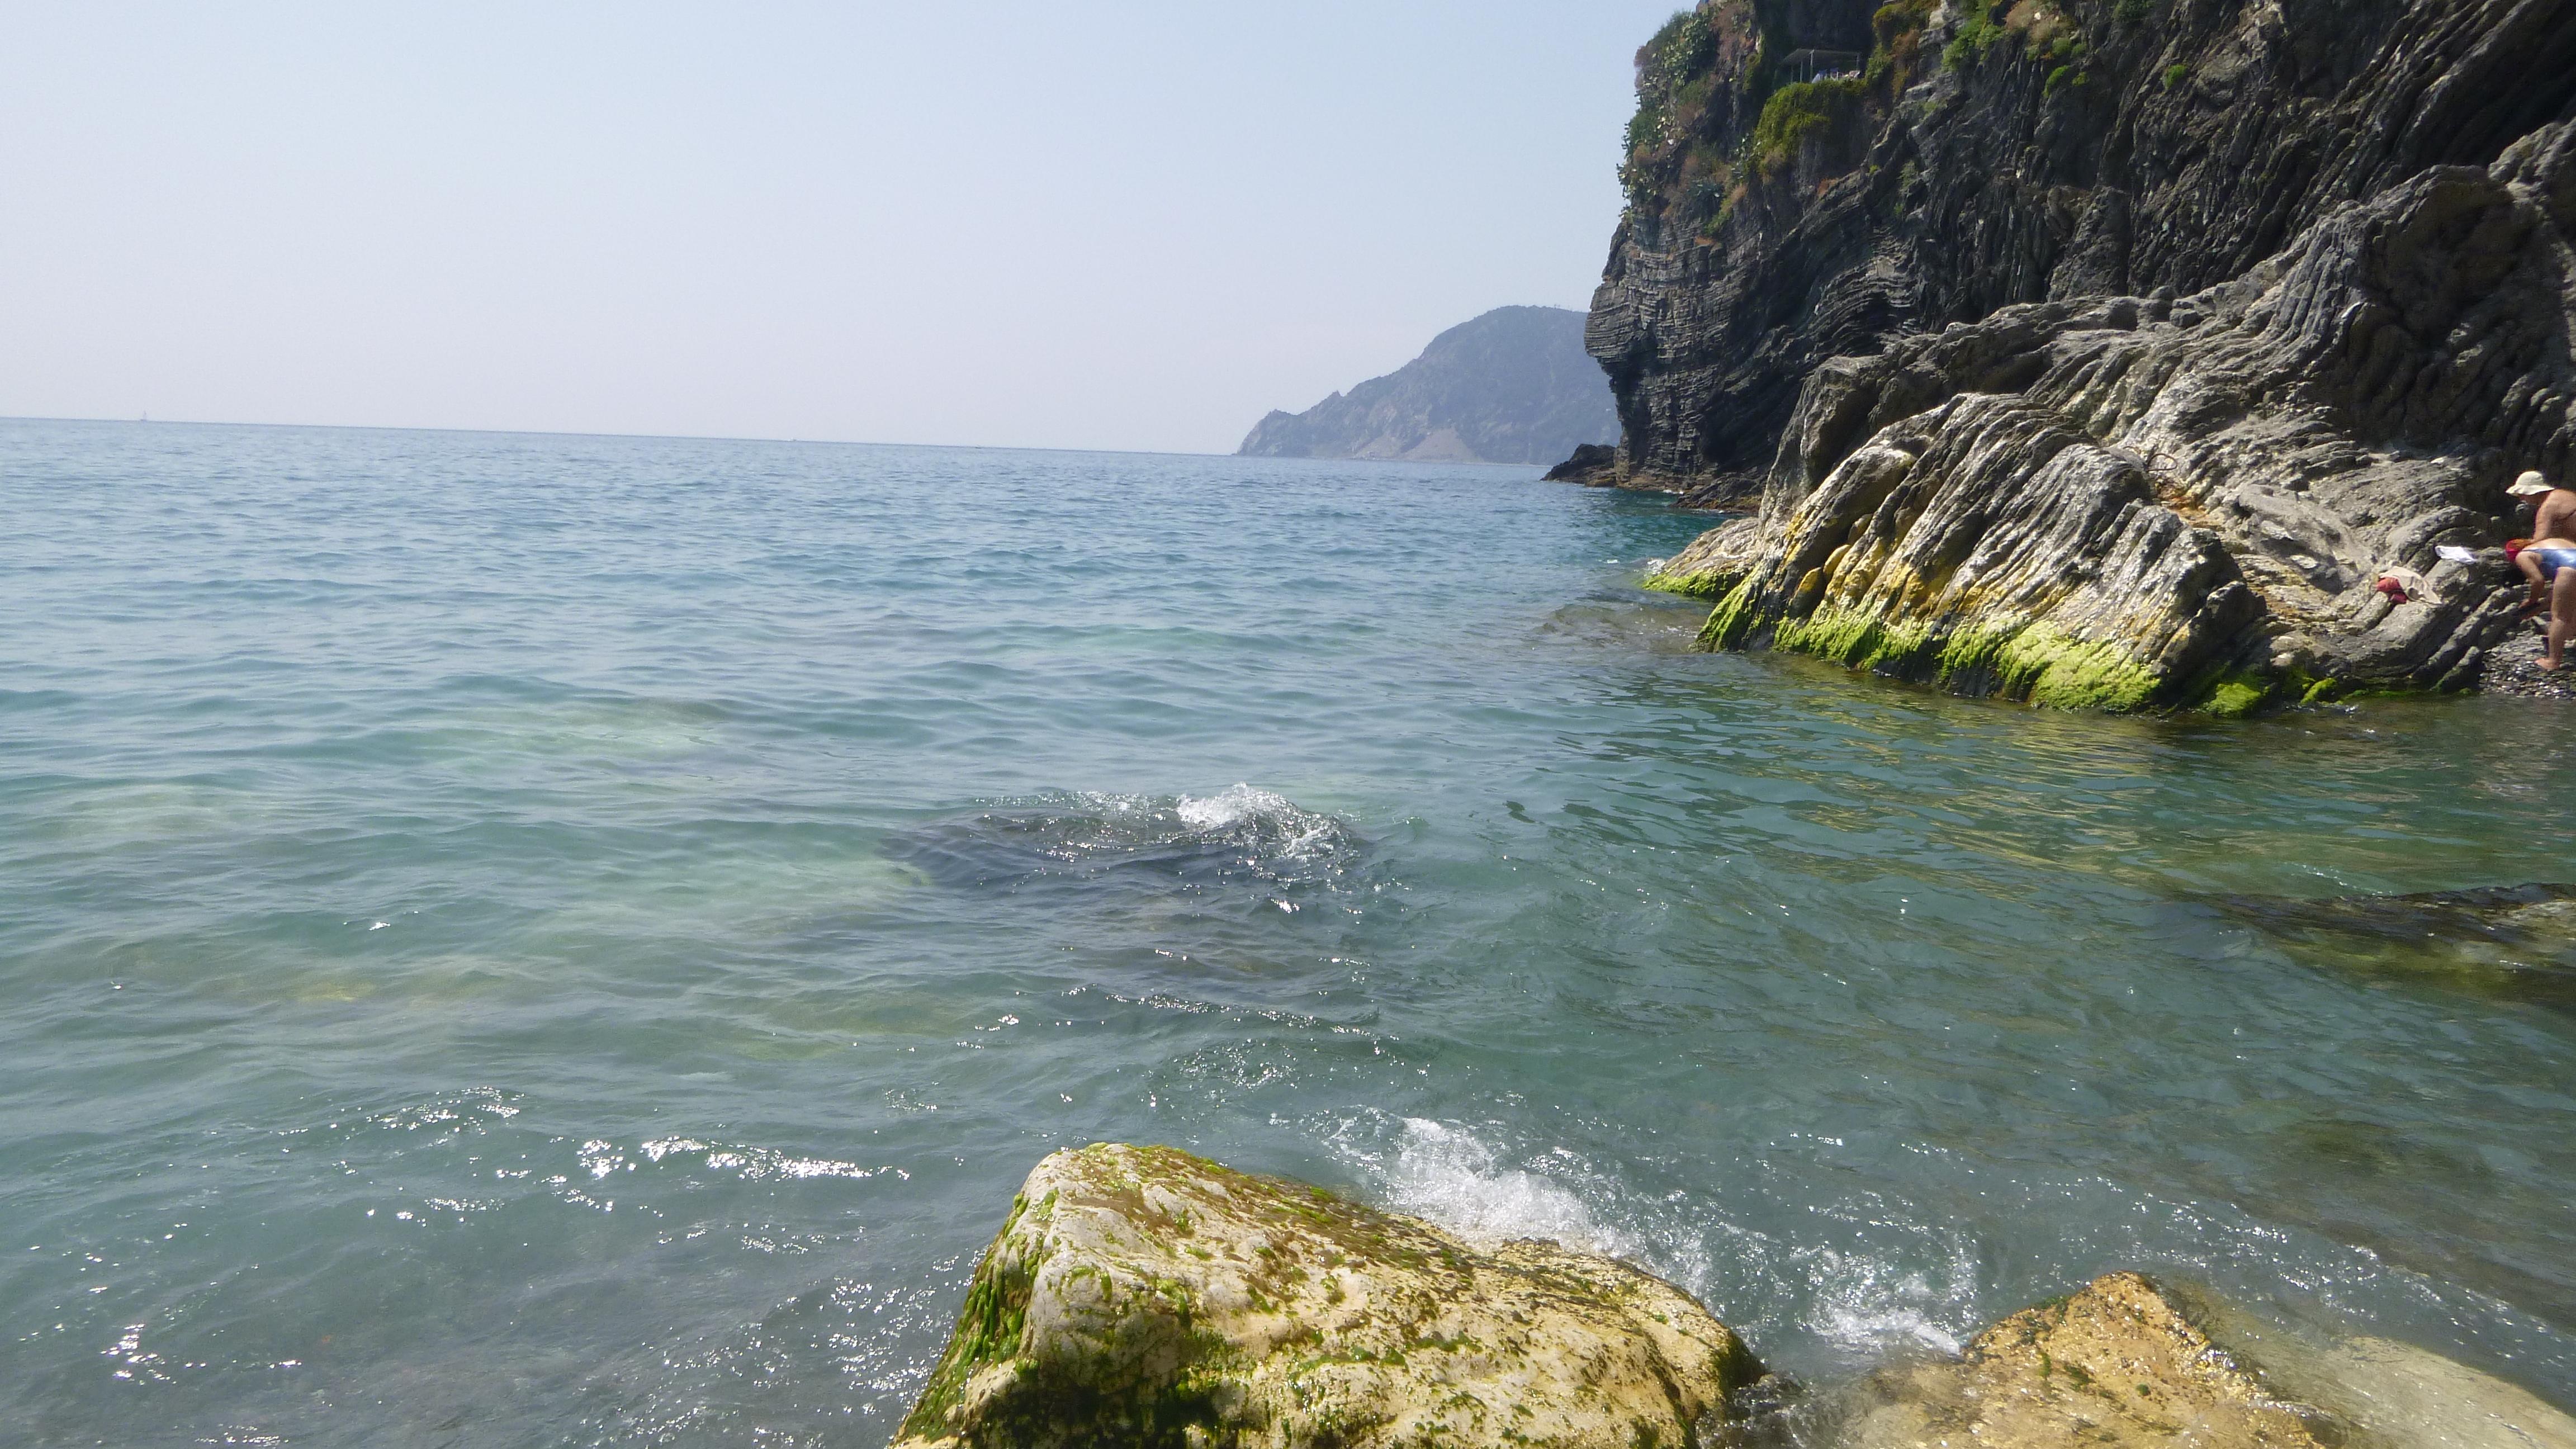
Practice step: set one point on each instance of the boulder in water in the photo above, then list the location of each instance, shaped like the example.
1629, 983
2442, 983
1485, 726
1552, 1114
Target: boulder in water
2127, 1362
2116, 1364
1144, 1296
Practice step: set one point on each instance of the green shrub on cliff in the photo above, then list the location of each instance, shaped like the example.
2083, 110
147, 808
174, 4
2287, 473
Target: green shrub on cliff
1674, 83
1796, 112
1975, 36
1899, 31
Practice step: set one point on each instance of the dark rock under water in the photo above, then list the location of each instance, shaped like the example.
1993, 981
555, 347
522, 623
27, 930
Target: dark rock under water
2517, 942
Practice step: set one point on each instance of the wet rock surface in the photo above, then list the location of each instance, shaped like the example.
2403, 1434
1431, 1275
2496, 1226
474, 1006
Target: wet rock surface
1142, 1296
2128, 1361
2115, 1364
2124, 394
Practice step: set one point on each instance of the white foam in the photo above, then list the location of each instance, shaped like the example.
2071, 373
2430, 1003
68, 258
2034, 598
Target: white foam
1868, 1310
1235, 805
1453, 1178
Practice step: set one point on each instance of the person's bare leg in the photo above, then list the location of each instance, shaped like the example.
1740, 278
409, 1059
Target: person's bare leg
2562, 614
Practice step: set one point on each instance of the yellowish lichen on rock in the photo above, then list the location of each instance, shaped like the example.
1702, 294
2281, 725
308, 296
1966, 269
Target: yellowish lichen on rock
1143, 1296
2113, 1366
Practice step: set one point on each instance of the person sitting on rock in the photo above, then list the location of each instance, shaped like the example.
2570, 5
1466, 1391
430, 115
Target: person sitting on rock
2546, 559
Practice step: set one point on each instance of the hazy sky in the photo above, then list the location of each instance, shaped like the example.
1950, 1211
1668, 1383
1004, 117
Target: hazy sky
1094, 225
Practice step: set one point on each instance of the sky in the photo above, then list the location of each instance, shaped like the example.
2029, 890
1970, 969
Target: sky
1079, 225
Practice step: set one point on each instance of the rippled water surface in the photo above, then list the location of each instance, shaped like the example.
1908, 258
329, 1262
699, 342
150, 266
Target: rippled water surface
535, 941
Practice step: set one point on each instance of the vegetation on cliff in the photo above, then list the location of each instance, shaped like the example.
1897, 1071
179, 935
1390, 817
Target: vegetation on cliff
2275, 288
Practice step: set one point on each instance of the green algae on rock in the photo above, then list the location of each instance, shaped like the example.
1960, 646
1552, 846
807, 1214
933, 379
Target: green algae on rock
2037, 362
2186, 503
1144, 1296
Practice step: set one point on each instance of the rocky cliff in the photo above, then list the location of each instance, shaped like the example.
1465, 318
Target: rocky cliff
2102, 353
1512, 386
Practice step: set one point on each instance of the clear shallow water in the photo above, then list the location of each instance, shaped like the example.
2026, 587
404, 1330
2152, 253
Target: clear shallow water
534, 941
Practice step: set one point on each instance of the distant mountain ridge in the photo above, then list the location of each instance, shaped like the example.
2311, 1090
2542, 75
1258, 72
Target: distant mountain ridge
1512, 386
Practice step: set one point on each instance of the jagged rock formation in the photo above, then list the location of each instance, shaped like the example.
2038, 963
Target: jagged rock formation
1139, 1296
2086, 498
1512, 386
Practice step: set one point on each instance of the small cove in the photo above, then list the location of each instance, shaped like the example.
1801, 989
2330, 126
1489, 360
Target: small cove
553, 940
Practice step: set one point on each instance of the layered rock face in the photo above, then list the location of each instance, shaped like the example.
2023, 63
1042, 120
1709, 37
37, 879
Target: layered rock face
2103, 354
1983, 156
1512, 386
1139, 1296
2149, 502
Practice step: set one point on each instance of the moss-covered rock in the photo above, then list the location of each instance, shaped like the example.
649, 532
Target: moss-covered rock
1142, 1296
1712, 566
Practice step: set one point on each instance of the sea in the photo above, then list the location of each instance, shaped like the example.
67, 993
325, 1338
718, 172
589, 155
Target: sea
515, 940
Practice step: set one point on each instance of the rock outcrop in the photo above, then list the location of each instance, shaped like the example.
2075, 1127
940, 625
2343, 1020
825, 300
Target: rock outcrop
1512, 386
2116, 1364
2238, 307
1139, 1296
2127, 1362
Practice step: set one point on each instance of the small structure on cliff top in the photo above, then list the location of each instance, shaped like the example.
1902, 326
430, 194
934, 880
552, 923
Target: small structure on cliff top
1815, 65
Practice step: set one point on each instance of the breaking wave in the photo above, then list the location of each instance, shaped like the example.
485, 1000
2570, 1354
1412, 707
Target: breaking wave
1238, 834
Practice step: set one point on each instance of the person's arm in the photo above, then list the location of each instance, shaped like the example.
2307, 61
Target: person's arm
2530, 567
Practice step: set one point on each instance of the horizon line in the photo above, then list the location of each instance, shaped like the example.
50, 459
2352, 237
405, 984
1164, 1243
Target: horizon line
592, 433
148, 421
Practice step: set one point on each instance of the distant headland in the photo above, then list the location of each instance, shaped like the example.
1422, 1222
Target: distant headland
1512, 386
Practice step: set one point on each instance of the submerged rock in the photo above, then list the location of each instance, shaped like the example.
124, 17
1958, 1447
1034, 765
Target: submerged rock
2517, 942
1143, 1296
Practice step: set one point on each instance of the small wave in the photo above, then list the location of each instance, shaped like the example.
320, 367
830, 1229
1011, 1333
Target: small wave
1239, 832
1448, 1175
1867, 1309
1451, 1177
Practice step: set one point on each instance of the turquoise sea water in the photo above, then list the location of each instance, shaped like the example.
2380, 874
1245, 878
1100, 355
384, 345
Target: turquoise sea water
546, 941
